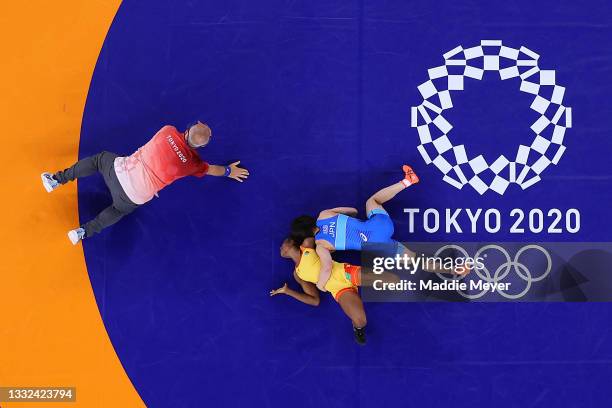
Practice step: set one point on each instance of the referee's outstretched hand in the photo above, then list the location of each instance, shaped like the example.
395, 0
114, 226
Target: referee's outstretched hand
238, 173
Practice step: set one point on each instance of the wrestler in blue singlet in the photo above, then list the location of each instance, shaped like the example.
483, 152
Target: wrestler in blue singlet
348, 233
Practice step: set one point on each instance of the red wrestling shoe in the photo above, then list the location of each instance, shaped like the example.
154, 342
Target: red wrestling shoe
410, 176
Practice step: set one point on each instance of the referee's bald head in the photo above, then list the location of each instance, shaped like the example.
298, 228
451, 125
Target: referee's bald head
199, 134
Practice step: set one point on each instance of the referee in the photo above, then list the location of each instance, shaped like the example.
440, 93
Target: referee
136, 179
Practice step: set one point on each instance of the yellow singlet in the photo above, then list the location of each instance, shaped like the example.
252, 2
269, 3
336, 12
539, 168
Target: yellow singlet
343, 277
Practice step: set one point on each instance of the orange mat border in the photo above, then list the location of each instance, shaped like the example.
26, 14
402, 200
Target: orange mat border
51, 332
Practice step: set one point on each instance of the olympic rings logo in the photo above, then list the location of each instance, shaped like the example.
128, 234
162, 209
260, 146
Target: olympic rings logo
502, 270
457, 167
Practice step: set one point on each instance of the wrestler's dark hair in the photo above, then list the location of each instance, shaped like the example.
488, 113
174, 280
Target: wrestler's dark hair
292, 242
301, 228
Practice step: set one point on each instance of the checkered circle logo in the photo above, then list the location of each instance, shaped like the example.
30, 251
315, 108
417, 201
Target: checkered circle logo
453, 161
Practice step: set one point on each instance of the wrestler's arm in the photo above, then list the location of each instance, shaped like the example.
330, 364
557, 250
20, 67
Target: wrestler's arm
326, 267
350, 211
310, 296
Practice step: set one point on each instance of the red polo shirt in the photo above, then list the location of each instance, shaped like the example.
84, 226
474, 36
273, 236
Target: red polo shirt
165, 158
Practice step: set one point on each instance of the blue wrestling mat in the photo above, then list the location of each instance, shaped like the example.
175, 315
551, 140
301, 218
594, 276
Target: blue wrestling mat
496, 105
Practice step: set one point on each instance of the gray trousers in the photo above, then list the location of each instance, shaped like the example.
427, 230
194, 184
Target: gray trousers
103, 163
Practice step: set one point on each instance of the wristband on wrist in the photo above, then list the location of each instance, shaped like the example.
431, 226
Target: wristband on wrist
228, 171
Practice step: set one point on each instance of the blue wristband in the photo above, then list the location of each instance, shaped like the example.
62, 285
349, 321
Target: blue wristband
228, 171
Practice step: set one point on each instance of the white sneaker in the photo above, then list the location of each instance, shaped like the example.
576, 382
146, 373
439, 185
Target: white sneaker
76, 235
49, 183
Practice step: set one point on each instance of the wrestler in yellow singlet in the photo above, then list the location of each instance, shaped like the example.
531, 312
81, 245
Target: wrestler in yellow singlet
344, 276
342, 284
